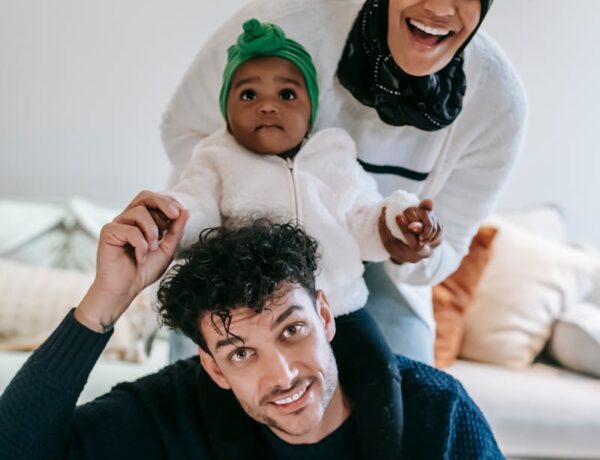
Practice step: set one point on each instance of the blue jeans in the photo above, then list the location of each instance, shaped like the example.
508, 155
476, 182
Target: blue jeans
405, 332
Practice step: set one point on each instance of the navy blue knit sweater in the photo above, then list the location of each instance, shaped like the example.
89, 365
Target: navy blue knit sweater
179, 413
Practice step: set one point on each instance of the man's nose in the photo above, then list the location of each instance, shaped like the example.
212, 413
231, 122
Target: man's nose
278, 371
440, 7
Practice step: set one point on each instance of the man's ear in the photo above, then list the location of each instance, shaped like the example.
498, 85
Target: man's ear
212, 368
325, 314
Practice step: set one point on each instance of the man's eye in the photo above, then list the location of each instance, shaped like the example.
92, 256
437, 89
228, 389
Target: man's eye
241, 354
287, 95
248, 95
292, 330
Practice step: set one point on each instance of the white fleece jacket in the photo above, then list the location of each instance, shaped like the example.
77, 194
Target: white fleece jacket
461, 167
323, 188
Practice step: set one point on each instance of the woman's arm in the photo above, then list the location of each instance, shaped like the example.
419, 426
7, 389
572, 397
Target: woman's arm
469, 194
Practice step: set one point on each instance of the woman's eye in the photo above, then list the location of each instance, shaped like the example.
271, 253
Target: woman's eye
287, 95
292, 330
248, 95
240, 355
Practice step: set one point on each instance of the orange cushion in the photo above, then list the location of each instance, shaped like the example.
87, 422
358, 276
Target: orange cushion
452, 297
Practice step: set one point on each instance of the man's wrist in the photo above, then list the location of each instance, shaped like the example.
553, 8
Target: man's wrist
99, 310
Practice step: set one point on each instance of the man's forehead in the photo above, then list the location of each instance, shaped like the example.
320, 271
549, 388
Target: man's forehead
285, 303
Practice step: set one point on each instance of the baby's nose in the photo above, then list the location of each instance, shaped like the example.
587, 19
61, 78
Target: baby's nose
268, 107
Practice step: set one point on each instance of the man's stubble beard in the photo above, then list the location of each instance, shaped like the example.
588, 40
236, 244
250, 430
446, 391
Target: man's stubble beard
329, 385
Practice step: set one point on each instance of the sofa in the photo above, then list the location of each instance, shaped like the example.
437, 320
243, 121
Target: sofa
541, 412
519, 326
542, 400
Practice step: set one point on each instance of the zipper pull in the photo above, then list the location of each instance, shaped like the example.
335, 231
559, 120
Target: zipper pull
290, 163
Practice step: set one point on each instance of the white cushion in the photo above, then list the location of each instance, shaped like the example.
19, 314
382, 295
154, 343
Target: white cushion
547, 220
32, 233
85, 221
575, 342
528, 283
35, 299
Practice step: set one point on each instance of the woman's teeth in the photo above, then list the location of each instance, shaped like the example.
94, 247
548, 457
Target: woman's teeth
427, 29
295, 397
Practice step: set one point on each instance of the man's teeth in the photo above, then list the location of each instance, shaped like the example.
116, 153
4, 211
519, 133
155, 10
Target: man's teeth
295, 397
428, 29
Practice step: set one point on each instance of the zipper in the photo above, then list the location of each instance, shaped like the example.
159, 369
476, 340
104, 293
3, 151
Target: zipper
290, 165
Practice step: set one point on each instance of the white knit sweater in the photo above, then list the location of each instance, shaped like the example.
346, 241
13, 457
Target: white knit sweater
323, 188
467, 163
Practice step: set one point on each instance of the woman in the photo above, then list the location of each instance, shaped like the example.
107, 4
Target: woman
435, 109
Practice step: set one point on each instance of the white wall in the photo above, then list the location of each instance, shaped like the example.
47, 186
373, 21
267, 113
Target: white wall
555, 46
83, 86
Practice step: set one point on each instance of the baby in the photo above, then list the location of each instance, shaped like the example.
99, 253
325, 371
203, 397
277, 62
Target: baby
268, 163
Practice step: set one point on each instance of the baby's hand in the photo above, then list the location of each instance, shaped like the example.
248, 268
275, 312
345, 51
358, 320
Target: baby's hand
422, 222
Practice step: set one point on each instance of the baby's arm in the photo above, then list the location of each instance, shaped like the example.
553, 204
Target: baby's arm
198, 191
359, 203
363, 218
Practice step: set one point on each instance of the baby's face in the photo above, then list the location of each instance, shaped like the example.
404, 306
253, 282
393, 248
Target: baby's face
268, 107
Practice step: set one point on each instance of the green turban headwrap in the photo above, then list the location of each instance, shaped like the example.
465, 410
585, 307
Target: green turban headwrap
264, 39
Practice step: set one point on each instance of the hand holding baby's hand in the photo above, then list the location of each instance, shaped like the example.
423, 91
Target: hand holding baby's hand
422, 223
421, 232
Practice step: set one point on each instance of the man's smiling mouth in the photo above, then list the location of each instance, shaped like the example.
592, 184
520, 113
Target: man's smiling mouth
294, 399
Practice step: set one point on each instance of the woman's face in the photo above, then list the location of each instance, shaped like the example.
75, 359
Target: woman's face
424, 35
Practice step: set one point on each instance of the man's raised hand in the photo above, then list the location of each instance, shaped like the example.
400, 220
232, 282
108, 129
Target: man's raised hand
131, 256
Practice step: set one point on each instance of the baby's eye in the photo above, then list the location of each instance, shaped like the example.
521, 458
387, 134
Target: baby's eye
287, 94
241, 354
248, 95
293, 329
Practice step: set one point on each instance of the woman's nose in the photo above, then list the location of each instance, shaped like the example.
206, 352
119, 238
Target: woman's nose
440, 8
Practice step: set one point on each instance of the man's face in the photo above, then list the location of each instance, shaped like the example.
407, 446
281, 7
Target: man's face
284, 374
268, 107
424, 35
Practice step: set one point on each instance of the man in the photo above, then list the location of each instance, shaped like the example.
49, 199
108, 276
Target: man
265, 384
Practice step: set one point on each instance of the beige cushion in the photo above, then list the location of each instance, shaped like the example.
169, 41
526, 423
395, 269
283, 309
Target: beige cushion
528, 283
35, 299
453, 297
575, 342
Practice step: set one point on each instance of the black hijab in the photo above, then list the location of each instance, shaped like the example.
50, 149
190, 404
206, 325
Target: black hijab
369, 72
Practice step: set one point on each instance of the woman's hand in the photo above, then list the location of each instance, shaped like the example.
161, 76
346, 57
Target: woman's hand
421, 230
132, 254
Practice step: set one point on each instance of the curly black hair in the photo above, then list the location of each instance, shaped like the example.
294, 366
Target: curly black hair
229, 267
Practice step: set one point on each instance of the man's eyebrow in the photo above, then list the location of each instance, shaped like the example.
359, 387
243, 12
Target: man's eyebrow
293, 81
229, 341
285, 315
243, 81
